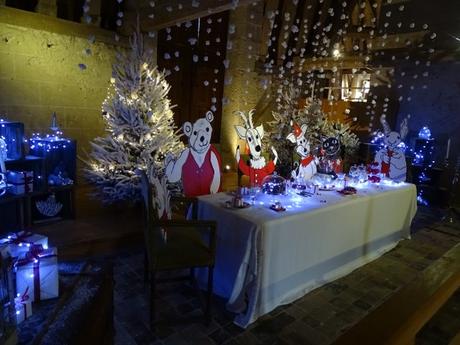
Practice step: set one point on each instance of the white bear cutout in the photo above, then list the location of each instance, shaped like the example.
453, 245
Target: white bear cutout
199, 164
391, 159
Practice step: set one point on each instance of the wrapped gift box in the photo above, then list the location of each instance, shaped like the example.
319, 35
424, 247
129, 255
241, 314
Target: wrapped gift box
23, 307
13, 132
20, 182
20, 242
37, 271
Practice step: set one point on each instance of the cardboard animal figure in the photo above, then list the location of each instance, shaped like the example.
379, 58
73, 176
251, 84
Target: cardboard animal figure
330, 162
257, 168
3, 152
307, 164
391, 158
198, 165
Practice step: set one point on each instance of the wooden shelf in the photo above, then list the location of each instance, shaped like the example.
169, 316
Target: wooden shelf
24, 204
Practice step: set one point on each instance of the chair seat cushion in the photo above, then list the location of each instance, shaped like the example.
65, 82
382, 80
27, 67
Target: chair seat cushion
182, 248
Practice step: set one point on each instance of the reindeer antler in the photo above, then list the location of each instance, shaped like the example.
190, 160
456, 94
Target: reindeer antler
386, 127
404, 128
243, 116
251, 112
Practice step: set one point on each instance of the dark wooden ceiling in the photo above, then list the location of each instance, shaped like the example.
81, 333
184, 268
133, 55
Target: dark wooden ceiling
297, 31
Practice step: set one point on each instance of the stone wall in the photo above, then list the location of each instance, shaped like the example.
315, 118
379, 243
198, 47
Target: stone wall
433, 100
49, 65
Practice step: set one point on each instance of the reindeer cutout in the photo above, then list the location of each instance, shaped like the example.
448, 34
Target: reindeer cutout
198, 165
391, 159
307, 164
257, 168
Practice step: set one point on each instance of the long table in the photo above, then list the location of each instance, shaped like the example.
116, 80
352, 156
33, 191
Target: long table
267, 258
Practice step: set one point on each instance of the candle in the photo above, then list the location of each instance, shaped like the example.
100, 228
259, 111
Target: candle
448, 149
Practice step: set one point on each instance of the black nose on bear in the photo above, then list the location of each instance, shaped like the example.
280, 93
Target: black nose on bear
258, 148
304, 150
202, 138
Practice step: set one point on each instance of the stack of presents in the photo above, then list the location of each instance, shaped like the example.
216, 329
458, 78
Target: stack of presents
33, 269
20, 182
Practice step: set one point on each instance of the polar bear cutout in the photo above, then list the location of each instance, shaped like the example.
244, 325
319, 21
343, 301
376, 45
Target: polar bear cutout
199, 164
391, 158
307, 164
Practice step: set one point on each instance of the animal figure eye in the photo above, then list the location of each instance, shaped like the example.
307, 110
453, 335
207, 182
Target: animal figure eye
194, 133
257, 137
249, 139
207, 129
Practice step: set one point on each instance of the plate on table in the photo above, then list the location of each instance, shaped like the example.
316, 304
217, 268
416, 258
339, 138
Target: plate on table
305, 194
348, 191
327, 189
277, 209
228, 204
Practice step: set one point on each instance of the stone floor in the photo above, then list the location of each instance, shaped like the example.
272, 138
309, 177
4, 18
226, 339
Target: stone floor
444, 324
317, 318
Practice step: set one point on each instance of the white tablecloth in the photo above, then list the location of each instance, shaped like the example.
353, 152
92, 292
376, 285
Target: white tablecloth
266, 259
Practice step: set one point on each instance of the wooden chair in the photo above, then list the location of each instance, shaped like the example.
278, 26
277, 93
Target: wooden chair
184, 247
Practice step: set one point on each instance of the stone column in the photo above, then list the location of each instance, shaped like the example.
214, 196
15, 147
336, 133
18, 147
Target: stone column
47, 7
243, 87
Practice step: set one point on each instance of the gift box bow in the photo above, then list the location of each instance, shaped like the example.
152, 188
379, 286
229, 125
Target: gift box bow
34, 255
18, 238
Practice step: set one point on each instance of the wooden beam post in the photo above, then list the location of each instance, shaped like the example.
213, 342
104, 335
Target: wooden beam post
168, 13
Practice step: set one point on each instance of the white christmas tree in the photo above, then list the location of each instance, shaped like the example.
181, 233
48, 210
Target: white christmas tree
311, 114
139, 124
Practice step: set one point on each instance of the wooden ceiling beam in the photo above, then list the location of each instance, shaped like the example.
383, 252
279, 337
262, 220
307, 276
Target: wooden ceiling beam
397, 41
294, 37
288, 15
329, 63
275, 35
167, 13
307, 23
269, 13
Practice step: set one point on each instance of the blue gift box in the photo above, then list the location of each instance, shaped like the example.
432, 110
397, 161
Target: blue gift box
13, 134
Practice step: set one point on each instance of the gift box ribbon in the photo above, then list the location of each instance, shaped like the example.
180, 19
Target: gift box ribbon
34, 255
21, 299
27, 180
19, 237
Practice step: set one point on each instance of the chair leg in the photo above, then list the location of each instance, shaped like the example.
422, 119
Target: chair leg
209, 294
146, 271
152, 299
